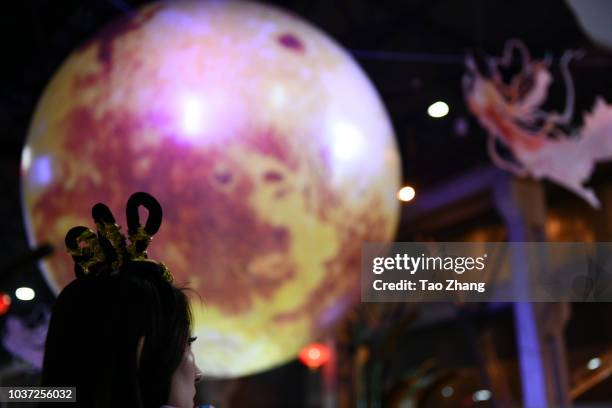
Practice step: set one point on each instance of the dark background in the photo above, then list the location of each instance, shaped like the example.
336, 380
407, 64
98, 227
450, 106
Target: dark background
411, 50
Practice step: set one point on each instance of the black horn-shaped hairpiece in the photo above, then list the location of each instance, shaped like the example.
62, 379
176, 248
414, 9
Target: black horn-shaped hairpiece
107, 251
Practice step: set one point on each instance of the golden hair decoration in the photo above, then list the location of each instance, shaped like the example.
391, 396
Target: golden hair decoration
107, 251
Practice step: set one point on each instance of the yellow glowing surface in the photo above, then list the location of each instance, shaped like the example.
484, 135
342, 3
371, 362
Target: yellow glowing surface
267, 146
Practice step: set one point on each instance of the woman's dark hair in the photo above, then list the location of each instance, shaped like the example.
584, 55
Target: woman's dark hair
94, 334
119, 331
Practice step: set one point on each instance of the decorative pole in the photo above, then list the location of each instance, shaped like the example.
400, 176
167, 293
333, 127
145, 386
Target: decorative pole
540, 344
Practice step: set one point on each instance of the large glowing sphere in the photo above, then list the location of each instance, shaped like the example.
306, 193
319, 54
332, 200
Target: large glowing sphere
268, 148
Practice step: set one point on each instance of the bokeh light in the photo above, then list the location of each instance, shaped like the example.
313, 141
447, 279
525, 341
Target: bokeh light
594, 363
5, 303
448, 391
438, 109
315, 355
406, 193
24, 293
481, 395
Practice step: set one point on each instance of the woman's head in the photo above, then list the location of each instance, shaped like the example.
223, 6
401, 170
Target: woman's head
120, 339
120, 332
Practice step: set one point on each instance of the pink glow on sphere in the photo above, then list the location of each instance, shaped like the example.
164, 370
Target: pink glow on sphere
268, 148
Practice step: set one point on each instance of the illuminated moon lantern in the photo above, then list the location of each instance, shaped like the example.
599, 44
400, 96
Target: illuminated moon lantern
267, 146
